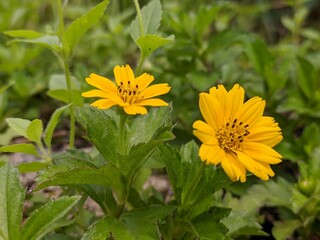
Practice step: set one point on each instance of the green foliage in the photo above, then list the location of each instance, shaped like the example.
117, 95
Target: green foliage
81, 25
11, 202
270, 50
44, 219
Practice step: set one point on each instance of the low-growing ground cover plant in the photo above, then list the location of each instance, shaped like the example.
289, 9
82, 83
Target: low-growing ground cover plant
222, 101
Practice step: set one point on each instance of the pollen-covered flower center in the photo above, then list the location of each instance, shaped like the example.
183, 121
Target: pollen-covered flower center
129, 93
232, 135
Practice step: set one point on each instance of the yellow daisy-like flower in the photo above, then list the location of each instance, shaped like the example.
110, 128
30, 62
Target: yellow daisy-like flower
236, 134
128, 92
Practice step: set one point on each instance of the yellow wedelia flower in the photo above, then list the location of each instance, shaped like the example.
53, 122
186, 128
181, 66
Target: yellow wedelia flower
128, 92
236, 134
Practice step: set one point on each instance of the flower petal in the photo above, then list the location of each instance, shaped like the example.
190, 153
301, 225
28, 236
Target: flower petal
262, 153
236, 95
253, 166
221, 95
251, 111
233, 168
144, 81
103, 103
270, 136
102, 94
123, 75
204, 132
211, 110
133, 109
102, 83
156, 102
155, 90
211, 154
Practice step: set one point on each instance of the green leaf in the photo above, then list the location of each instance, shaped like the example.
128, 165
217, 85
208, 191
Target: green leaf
208, 225
149, 43
48, 41
81, 25
283, 230
306, 77
26, 148
258, 53
32, 166
11, 202
151, 18
143, 222
42, 221
79, 171
64, 96
106, 228
29, 34
19, 125
52, 125
35, 130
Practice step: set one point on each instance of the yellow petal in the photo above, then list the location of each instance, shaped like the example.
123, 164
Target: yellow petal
102, 83
268, 169
251, 111
123, 75
133, 110
103, 103
211, 110
102, 94
233, 168
144, 81
253, 166
270, 136
221, 95
262, 153
211, 154
204, 133
156, 102
236, 94
155, 90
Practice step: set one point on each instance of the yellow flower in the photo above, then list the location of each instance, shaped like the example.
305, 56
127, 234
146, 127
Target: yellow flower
236, 134
128, 92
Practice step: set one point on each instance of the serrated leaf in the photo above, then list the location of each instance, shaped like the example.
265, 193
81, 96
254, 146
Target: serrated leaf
149, 43
26, 148
107, 175
42, 221
143, 222
52, 125
19, 125
29, 34
283, 230
11, 202
208, 225
105, 228
151, 18
81, 25
64, 96
48, 41
35, 130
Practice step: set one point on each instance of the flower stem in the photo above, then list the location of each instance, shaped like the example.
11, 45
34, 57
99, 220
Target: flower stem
72, 110
141, 27
141, 30
65, 60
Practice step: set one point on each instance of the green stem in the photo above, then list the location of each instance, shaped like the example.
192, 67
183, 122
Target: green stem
141, 29
141, 61
65, 58
72, 110
193, 183
136, 4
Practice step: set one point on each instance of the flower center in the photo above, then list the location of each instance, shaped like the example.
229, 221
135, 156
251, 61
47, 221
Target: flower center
129, 93
232, 135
